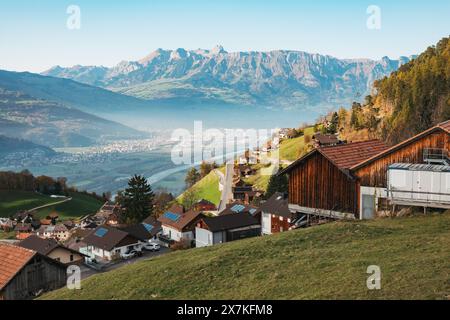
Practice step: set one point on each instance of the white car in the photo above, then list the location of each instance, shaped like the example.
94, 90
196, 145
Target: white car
151, 246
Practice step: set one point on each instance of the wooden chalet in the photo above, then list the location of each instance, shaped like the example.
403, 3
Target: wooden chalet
320, 182
351, 180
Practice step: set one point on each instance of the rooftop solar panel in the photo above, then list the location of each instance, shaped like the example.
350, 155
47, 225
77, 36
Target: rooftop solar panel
148, 227
252, 211
237, 208
172, 216
101, 232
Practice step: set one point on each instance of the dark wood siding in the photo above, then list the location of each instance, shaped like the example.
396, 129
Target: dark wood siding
318, 183
375, 173
39, 274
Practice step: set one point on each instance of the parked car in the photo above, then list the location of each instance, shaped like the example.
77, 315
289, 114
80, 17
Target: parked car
131, 254
151, 246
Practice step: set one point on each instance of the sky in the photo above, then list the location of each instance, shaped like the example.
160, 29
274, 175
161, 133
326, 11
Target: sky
34, 35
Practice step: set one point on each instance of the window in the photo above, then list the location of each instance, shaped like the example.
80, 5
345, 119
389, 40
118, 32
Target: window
71, 257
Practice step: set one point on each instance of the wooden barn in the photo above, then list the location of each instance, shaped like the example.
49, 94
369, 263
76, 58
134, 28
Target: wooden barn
351, 180
320, 182
428, 147
26, 273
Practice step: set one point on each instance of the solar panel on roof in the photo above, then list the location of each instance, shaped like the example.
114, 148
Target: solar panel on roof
252, 211
237, 208
172, 216
147, 227
101, 232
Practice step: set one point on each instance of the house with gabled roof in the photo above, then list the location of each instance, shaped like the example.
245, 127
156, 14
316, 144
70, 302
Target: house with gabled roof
358, 180
321, 184
178, 226
229, 227
412, 172
25, 273
108, 243
52, 249
276, 216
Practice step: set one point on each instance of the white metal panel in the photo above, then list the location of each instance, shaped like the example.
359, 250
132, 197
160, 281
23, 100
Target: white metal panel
401, 180
266, 223
435, 186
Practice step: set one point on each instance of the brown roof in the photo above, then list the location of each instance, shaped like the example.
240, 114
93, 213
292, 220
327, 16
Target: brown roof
277, 205
239, 207
230, 221
176, 208
344, 156
106, 238
347, 155
441, 126
326, 138
12, 260
43, 246
183, 219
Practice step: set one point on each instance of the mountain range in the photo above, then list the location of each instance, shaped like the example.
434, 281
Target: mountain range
280, 78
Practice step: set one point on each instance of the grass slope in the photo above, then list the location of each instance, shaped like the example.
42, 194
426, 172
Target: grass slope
207, 188
80, 205
13, 201
323, 262
291, 149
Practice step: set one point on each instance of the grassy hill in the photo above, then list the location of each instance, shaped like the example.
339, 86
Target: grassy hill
323, 262
207, 188
80, 205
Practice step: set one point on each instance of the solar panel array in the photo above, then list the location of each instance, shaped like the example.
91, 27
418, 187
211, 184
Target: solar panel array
147, 227
101, 232
172, 216
252, 211
237, 208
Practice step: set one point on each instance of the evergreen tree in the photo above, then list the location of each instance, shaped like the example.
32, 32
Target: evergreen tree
277, 183
137, 199
192, 177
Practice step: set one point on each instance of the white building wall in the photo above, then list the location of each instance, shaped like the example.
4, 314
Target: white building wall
176, 235
266, 223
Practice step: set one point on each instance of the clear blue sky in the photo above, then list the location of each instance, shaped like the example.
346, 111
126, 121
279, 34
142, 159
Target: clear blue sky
34, 36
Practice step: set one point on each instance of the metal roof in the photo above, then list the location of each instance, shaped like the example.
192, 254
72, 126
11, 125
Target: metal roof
419, 167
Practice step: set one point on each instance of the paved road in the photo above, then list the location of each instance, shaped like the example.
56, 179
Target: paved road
86, 272
227, 193
50, 204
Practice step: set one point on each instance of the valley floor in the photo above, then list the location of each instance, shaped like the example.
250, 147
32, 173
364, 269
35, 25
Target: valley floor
323, 262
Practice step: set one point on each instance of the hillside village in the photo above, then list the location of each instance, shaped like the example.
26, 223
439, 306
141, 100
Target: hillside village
336, 180
339, 174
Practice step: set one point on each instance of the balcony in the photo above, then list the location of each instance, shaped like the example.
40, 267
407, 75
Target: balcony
436, 156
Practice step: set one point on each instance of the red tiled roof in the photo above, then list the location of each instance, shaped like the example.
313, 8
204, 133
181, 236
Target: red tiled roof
12, 260
347, 155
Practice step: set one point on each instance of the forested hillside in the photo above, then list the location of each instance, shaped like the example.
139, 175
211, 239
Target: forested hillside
410, 100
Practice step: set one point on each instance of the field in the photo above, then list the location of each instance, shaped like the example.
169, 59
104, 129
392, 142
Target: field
323, 262
207, 188
292, 149
13, 201
80, 205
